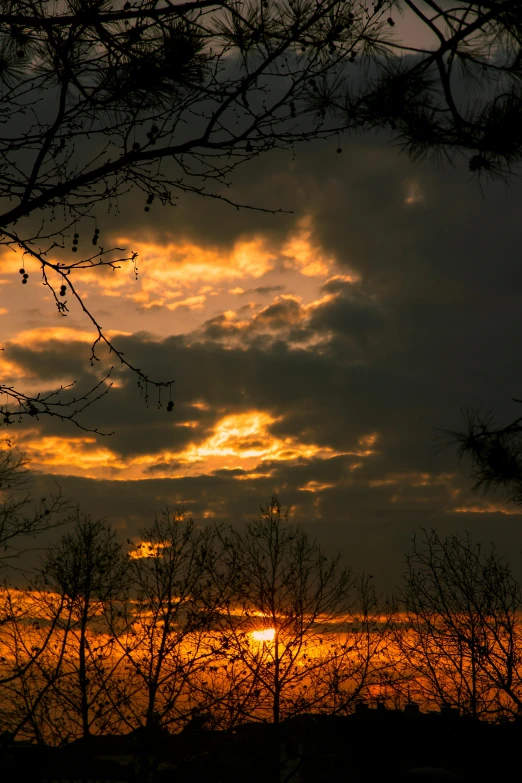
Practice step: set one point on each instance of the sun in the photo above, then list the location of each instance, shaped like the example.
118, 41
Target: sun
264, 635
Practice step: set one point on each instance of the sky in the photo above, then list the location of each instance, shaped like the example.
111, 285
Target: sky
317, 353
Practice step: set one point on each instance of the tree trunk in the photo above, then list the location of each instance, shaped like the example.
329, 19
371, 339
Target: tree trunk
84, 682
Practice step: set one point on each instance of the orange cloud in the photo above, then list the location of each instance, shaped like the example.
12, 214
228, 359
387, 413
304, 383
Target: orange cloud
281, 316
413, 479
146, 549
315, 486
72, 456
486, 508
245, 441
201, 406
246, 437
166, 268
303, 255
191, 302
173, 269
36, 339
240, 440
10, 371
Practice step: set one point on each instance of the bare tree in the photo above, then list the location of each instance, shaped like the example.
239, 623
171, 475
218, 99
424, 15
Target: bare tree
33, 647
460, 633
361, 661
163, 629
27, 627
88, 571
286, 598
20, 516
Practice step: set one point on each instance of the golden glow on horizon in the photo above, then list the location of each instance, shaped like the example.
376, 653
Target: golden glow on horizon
264, 635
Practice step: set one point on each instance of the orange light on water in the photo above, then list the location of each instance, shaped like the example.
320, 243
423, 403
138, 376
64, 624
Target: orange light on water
264, 635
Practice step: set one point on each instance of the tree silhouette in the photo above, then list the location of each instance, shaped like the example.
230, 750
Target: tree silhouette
495, 452
458, 95
88, 571
283, 596
162, 630
24, 638
20, 516
459, 632
361, 663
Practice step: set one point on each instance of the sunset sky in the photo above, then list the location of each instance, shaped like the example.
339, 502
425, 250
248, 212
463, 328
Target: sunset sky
315, 353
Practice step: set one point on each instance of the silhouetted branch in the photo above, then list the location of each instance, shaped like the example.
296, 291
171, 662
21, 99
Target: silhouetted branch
495, 452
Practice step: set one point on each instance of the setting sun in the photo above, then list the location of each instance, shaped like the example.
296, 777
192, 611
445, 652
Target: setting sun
264, 635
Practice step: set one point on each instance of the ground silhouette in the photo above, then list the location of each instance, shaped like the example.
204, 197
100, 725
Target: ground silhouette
373, 744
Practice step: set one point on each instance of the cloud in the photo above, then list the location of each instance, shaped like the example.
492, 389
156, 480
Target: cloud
304, 254
190, 303
168, 268
146, 549
240, 441
11, 372
38, 339
332, 502
245, 441
344, 311
262, 290
386, 302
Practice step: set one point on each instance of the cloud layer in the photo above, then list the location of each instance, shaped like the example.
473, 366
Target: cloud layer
315, 354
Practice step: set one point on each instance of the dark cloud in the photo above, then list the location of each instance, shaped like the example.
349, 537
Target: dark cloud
279, 315
51, 361
370, 525
230, 472
351, 314
433, 325
264, 290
